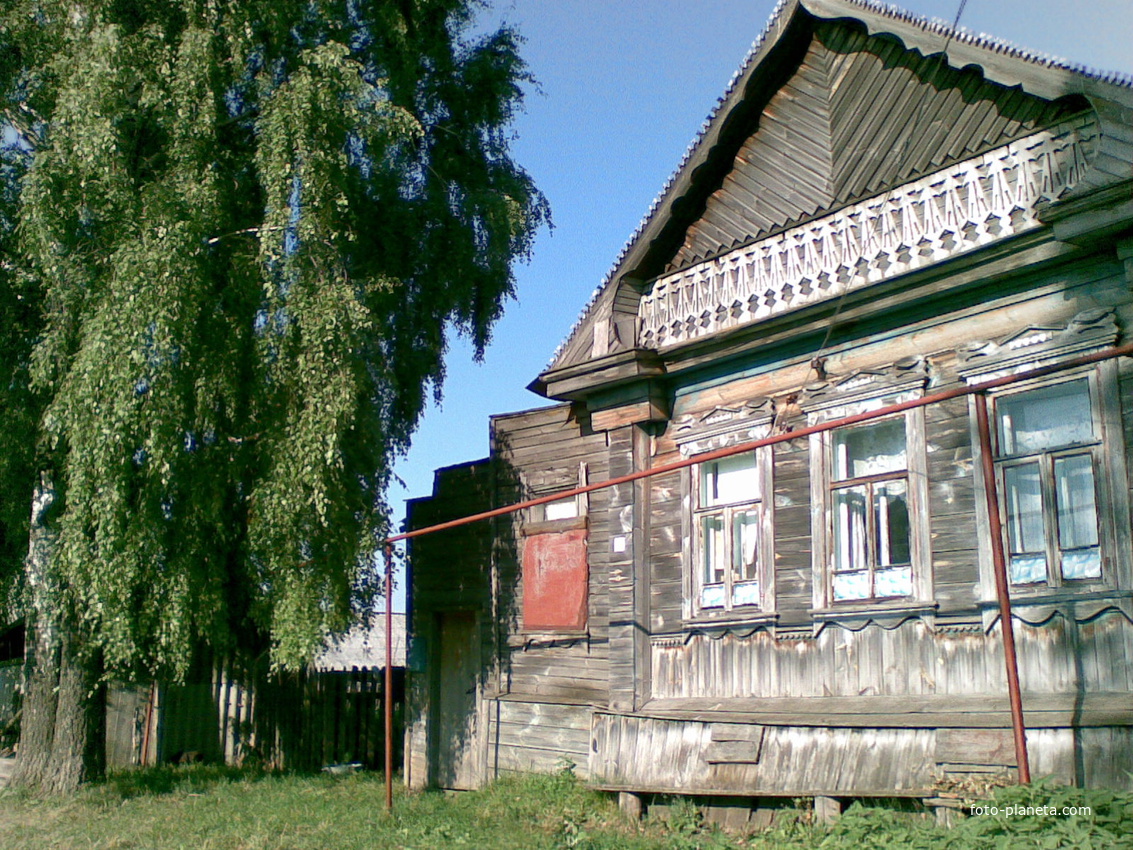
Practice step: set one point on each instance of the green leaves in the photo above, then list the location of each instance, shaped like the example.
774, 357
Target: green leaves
246, 225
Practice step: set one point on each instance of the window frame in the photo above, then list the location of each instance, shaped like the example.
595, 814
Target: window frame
1108, 467
535, 519
823, 486
868, 483
695, 563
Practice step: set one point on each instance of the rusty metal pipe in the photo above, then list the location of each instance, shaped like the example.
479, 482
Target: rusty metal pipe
1002, 591
979, 390
387, 697
900, 407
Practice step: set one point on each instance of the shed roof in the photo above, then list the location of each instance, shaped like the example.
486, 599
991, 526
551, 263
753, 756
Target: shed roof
364, 646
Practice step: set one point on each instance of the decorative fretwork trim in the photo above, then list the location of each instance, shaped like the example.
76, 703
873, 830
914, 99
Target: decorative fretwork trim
723, 426
1089, 331
959, 209
865, 390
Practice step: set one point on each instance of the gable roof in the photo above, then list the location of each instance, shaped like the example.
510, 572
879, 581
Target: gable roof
838, 100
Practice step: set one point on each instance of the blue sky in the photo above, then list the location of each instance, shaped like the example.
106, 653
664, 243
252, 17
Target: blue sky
623, 90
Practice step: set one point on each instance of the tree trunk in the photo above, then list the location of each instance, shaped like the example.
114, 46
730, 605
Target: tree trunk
41, 665
37, 723
62, 733
78, 752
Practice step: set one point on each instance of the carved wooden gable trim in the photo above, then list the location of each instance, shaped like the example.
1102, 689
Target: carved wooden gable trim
860, 114
953, 211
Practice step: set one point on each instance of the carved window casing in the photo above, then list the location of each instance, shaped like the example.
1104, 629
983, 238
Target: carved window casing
869, 494
728, 551
1059, 463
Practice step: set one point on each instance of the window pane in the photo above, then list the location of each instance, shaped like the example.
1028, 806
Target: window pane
893, 582
1023, 493
745, 593
562, 509
745, 544
712, 545
851, 586
850, 544
1045, 418
869, 449
1077, 517
1082, 563
1028, 569
891, 514
712, 596
732, 479
1077, 512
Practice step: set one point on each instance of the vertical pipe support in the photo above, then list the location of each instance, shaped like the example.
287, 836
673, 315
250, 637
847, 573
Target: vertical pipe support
152, 698
1003, 595
387, 701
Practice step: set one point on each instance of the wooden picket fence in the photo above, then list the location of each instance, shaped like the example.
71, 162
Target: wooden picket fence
303, 720
313, 719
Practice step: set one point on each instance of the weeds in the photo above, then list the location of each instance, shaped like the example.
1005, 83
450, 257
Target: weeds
202, 806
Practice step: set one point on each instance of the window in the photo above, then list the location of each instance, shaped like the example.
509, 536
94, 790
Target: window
1058, 451
1048, 445
870, 534
556, 573
728, 519
869, 495
726, 526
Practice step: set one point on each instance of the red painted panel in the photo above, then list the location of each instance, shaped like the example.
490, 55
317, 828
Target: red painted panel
555, 580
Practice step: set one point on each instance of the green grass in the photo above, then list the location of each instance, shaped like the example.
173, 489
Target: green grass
209, 808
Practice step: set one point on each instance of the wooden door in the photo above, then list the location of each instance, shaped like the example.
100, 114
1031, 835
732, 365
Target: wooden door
454, 736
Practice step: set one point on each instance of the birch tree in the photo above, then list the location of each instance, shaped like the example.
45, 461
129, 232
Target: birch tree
243, 227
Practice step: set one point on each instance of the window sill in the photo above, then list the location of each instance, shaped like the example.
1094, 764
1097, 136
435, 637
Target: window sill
730, 620
1048, 595
861, 612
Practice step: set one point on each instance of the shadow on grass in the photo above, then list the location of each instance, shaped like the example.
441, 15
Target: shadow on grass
169, 779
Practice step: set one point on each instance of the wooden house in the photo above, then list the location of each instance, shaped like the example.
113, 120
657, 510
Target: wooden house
879, 213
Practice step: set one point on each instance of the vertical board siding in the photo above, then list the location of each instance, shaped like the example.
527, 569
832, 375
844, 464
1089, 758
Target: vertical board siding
907, 660
621, 513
